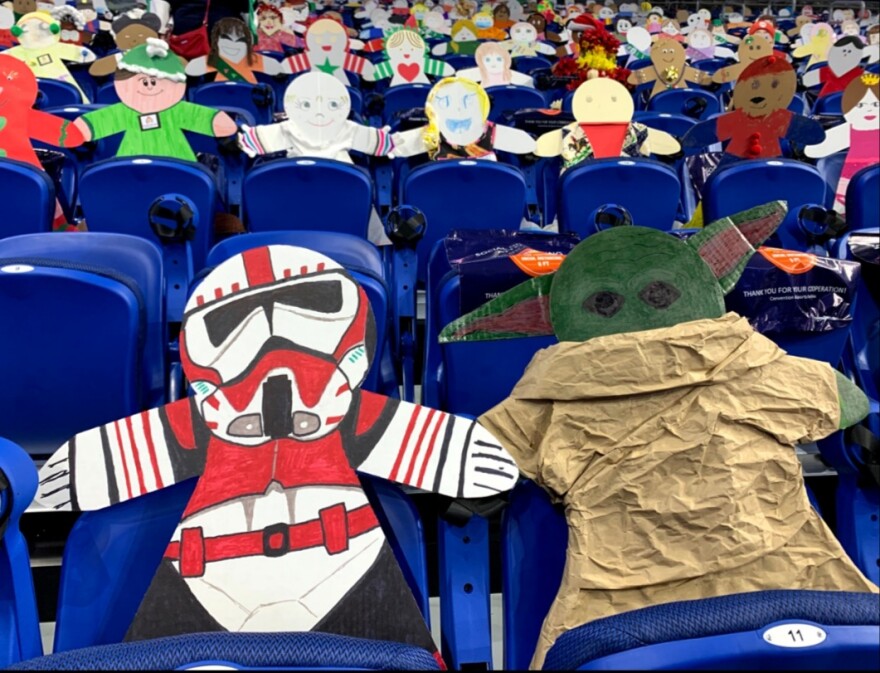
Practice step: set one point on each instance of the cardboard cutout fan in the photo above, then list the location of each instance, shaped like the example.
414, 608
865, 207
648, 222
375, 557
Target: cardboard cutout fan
407, 60
459, 127
328, 50
463, 40
603, 110
73, 25
701, 46
232, 55
486, 29
816, 40
493, 68
760, 117
7, 21
665, 426
317, 125
272, 34
524, 42
151, 84
750, 50
669, 28
843, 67
128, 33
278, 534
721, 36
40, 47
668, 69
859, 134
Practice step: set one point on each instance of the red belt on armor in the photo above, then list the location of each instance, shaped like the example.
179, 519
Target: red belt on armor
332, 530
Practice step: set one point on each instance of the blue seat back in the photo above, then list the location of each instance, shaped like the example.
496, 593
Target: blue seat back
460, 61
257, 100
712, 65
90, 333
360, 257
107, 94
489, 196
749, 183
29, 197
829, 105
511, 98
403, 97
58, 93
649, 190
315, 187
526, 64
117, 194
692, 103
673, 124
863, 198
19, 622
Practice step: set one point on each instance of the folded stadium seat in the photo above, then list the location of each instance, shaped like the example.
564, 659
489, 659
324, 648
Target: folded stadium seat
106, 94
740, 631
712, 65
88, 310
830, 167
402, 98
863, 198
675, 124
167, 201
307, 194
749, 183
357, 100
799, 105
829, 105
526, 64
460, 61
693, 103
29, 197
57, 93
463, 194
19, 621
84, 78
277, 82
510, 98
360, 258
647, 189
258, 100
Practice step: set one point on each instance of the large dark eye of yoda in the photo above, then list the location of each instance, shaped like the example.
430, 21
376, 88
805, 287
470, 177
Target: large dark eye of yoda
659, 294
604, 303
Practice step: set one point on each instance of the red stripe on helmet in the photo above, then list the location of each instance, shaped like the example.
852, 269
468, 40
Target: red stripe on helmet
258, 266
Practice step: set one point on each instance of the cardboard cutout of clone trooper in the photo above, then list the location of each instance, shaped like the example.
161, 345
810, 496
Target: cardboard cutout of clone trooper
278, 533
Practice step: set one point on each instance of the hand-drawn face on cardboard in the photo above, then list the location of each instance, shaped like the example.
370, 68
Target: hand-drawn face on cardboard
850, 27
623, 26
325, 37
459, 109
418, 12
130, 33
232, 40
501, 13
539, 22
464, 31
639, 39
523, 33
24, 6
318, 104
696, 21
700, 39
845, 55
605, 14
601, 101
38, 31
18, 86
493, 60
863, 115
483, 20
752, 48
143, 86
668, 57
670, 27
765, 87
269, 20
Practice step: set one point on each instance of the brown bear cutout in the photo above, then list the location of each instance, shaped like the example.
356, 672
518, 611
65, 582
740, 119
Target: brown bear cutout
129, 33
668, 69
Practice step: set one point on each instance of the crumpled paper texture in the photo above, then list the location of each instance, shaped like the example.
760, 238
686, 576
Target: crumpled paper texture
672, 452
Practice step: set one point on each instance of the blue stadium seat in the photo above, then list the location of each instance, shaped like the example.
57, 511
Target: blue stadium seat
799, 105
402, 98
257, 100
692, 103
90, 333
58, 93
744, 184
357, 100
460, 61
674, 124
242, 651
361, 258
712, 65
526, 64
487, 195
829, 105
307, 194
106, 94
863, 198
29, 197
19, 622
511, 98
118, 194
649, 190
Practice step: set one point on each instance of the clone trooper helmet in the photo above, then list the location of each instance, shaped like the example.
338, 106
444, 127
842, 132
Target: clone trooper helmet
274, 341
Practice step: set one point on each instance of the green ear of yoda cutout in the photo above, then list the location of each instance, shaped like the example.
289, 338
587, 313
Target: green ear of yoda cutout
639, 279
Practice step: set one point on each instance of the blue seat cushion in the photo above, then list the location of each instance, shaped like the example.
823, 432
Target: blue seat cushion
686, 620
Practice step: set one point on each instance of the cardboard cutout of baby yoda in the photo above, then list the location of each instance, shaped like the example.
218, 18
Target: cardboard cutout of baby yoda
317, 125
603, 110
843, 67
459, 127
278, 534
272, 34
665, 426
232, 55
40, 47
129, 33
668, 69
750, 50
859, 134
760, 117
816, 40
493, 68
408, 60
152, 115
328, 50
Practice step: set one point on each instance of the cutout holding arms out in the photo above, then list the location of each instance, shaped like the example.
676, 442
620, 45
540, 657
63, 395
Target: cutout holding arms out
668, 69
232, 55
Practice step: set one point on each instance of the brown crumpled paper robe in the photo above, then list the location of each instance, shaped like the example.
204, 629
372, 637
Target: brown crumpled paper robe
672, 451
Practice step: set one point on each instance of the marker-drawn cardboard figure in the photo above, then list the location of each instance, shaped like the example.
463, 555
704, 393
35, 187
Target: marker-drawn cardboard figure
816, 40
493, 68
750, 50
842, 68
501, 16
73, 25
459, 128
408, 60
701, 46
695, 21
637, 45
666, 426
129, 33
603, 127
317, 125
272, 34
328, 50
859, 134
40, 47
232, 55
278, 534
524, 42
668, 69
152, 115
760, 117
463, 40
486, 29
671, 29
7, 21
871, 51
722, 38
850, 27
